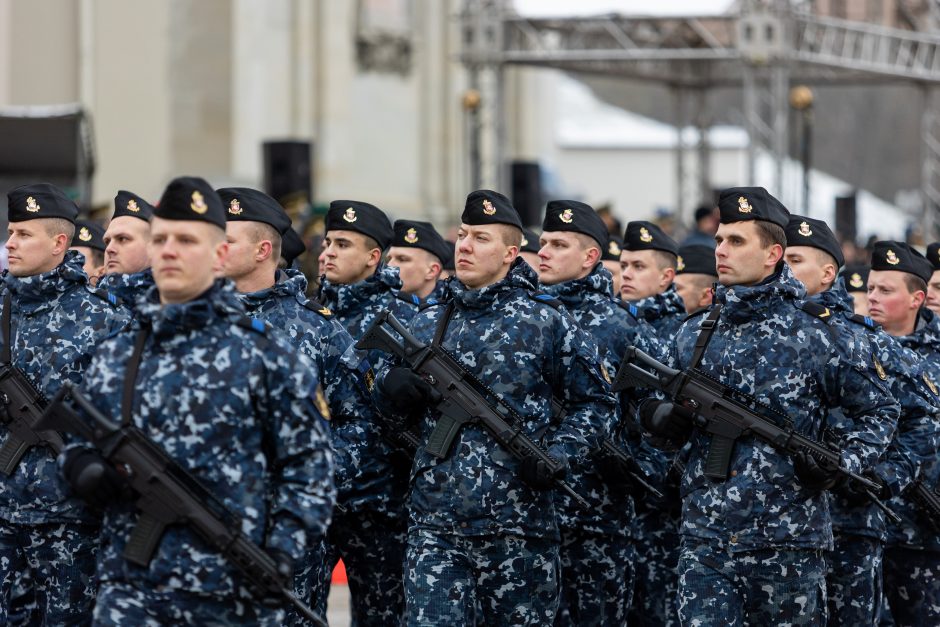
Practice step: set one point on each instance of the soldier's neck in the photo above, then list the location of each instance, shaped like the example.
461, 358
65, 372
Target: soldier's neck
261, 278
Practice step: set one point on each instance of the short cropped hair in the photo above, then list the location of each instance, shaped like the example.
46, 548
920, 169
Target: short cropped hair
55, 226
770, 233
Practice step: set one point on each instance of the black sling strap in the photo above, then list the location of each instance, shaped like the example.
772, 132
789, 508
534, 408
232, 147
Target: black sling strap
705, 335
130, 377
442, 324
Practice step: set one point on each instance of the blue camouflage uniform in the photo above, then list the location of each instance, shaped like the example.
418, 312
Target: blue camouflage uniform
597, 552
362, 474
912, 552
373, 545
46, 537
854, 581
233, 403
127, 287
481, 540
752, 545
657, 522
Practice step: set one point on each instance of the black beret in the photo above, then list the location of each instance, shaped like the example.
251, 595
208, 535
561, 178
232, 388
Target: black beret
40, 200
815, 233
530, 242
933, 255
576, 217
292, 246
88, 234
703, 212
889, 255
249, 205
191, 198
449, 261
613, 249
696, 259
414, 234
485, 206
643, 235
855, 277
739, 204
361, 217
130, 204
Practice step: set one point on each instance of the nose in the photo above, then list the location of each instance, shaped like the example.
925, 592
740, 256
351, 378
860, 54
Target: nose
543, 252
464, 245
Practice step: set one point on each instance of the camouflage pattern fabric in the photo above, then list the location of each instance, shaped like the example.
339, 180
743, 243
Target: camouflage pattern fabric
912, 586
596, 579
127, 287
853, 581
665, 311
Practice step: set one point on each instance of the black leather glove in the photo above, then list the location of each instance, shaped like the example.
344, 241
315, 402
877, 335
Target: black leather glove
666, 419
537, 475
93, 478
814, 475
857, 495
407, 391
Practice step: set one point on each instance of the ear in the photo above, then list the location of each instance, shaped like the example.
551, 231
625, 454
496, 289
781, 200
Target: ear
375, 257
667, 277
60, 244
829, 274
264, 250
917, 299
221, 252
511, 253
774, 255
434, 271
708, 295
591, 257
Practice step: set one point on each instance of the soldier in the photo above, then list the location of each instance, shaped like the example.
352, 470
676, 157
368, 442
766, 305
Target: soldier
529, 251
483, 540
357, 287
696, 276
417, 251
611, 261
897, 287
933, 285
53, 324
127, 260
855, 280
648, 267
596, 550
254, 227
752, 544
89, 241
853, 578
231, 401
292, 246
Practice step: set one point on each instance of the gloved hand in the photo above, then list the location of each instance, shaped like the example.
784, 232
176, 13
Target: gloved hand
537, 475
666, 419
93, 478
857, 496
812, 474
406, 390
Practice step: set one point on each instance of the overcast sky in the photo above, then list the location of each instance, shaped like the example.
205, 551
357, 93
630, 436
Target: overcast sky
559, 8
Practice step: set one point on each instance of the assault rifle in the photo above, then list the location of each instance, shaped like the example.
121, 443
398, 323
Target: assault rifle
167, 494
928, 500
460, 398
23, 403
726, 415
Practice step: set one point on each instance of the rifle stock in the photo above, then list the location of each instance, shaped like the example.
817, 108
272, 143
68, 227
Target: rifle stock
23, 404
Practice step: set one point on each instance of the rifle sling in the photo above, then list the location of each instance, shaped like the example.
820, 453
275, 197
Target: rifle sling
720, 447
441, 328
705, 335
130, 377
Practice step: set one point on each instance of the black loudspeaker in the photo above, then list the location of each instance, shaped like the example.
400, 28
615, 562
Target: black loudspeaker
527, 191
846, 223
288, 170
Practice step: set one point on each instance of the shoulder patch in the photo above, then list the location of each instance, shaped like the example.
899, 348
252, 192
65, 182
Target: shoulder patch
255, 324
318, 307
817, 311
548, 299
630, 308
865, 321
104, 294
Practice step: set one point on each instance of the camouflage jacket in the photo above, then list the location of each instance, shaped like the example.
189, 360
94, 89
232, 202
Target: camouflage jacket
128, 287
57, 324
916, 530
765, 345
357, 305
917, 432
524, 348
361, 468
613, 328
665, 311
235, 404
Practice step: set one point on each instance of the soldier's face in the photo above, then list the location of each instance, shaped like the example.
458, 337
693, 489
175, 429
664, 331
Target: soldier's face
811, 267
563, 256
891, 303
694, 290
740, 258
347, 259
417, 268
641, 276
126, 245
245, 250
614, 268
187, 256
90, 268
32, 250
933, 292
482, 255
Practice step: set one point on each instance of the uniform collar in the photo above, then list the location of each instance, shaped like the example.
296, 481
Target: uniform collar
347, 298
574, 292
835, 298
219, 301
288, 283
42, 291
747, 302
520, 275
658, 306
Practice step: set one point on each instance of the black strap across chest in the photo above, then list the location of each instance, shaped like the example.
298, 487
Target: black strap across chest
705, 335
442, 324
130, 377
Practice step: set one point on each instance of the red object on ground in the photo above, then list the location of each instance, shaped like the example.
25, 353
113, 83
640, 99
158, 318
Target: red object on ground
339, 573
